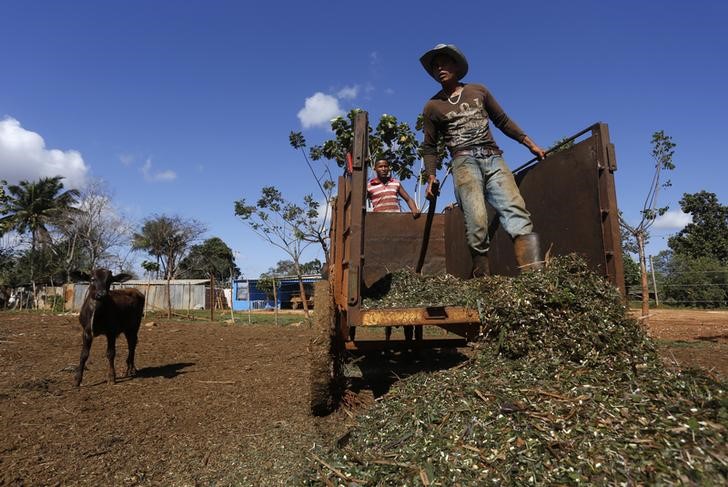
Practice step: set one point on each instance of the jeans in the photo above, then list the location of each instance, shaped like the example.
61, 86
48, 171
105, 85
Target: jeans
488, 178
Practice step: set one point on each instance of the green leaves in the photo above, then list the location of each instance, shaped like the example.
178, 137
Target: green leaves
390, 139
167, 238
297, 140
707, 234
213, 256
565, 389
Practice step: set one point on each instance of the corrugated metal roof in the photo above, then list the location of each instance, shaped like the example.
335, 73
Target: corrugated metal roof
307, 278
139, 282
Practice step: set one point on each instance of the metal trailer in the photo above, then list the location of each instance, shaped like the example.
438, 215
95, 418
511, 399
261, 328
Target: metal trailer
571, 196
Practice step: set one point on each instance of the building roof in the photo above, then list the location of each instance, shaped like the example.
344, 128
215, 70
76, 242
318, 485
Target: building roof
156, 282
307, 277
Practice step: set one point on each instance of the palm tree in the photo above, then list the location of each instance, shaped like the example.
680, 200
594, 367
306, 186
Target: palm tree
32, 207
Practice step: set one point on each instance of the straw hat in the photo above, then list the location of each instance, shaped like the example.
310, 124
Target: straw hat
448, 50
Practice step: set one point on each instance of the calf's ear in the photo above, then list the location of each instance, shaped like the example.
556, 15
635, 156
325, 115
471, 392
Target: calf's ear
121, 277
79, 276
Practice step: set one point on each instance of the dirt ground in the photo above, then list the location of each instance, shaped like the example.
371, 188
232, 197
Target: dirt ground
691, 338
212, 404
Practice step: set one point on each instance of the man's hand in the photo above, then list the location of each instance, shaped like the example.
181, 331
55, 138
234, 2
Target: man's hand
416, 213
429, 193
535, 150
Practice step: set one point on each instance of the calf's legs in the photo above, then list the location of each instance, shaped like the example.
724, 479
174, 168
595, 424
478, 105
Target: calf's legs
85, 349
131, 340
111, 354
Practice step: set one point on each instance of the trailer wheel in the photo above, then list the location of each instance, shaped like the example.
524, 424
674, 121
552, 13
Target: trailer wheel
326, 349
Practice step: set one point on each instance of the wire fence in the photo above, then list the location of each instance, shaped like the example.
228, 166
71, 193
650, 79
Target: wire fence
698, 288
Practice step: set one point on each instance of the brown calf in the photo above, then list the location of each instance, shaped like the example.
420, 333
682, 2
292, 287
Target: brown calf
110, 313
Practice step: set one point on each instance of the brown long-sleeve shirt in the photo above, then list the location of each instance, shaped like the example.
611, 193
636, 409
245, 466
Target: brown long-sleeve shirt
464, 122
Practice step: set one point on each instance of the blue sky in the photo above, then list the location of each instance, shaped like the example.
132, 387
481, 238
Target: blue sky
184, 107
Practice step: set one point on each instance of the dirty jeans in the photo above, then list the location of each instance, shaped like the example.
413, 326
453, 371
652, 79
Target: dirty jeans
488, 178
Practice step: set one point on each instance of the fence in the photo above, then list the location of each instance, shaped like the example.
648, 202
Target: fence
706, 289
187, 294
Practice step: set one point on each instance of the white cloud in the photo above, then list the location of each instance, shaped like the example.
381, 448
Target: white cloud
673, 220
154, 177
348, 92
126, 159
388, 91
318, 110
24, 156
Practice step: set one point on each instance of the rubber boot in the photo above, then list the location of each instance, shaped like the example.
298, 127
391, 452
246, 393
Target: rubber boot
528, 252
481, 265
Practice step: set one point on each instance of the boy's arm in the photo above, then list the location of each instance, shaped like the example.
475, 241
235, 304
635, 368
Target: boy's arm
410, 202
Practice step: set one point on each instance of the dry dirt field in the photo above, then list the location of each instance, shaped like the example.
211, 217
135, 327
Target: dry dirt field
213, 404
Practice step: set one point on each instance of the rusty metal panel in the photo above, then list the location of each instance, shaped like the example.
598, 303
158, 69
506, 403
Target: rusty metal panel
459, 262
607, 164
393, 242
565, 196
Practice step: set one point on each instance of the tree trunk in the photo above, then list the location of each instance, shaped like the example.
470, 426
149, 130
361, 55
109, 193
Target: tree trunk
212, 297
169, 297
32, 265
643, 278
301, 288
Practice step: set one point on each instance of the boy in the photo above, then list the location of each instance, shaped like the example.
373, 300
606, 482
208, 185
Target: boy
384, 191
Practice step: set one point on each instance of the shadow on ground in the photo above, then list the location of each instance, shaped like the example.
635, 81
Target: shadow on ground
381, 369
168, 371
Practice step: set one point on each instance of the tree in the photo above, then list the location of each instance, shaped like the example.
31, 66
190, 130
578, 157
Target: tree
707, 235
631, 268
698, 281
391, 139
92, 232
212, 257
662, 152
287, 268
167, 239
325, 183
33, 207
282, 224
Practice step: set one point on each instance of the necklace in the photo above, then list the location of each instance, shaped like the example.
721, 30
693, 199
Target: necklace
449, 98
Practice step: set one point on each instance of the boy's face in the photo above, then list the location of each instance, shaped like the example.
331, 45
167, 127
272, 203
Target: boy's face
382, 170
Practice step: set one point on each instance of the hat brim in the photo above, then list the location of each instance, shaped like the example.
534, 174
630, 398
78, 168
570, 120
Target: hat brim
448, 50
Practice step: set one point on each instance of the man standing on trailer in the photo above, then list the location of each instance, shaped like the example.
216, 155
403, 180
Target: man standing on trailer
461, 113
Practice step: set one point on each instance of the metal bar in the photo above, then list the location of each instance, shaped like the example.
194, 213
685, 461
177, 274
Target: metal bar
435, 189
611, 237
357, 211
554, 148
435, 315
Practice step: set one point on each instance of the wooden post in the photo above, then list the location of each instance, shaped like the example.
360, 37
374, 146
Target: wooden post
250, 306
275, 301
146, 296
189, 299
232, 298
212, 297
654, 283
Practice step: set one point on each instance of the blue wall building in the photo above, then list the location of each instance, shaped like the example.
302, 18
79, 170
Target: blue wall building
247, 296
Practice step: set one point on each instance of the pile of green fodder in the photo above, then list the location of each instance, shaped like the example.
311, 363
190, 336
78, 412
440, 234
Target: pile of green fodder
565, 389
